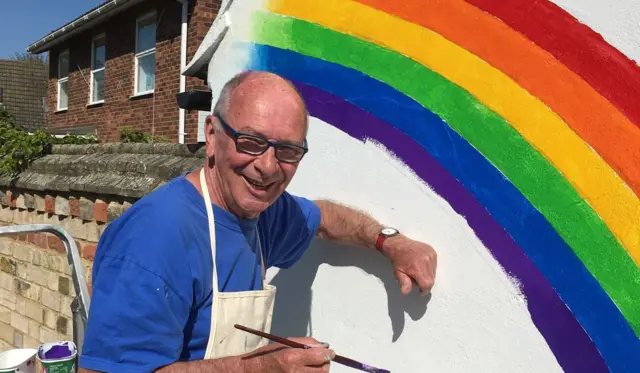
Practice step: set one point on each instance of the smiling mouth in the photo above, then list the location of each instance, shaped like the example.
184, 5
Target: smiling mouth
257, 184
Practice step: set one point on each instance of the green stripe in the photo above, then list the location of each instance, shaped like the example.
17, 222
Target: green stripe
501, 144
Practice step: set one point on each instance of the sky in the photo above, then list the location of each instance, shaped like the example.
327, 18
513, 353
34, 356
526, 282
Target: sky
26, 21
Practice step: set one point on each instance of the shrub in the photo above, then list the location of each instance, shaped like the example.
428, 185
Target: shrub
131, 135
18, 148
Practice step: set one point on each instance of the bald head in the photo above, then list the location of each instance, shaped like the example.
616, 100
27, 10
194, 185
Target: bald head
263, 89
255, 109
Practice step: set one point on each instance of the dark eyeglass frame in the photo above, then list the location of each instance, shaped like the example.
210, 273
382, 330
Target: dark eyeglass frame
235, 135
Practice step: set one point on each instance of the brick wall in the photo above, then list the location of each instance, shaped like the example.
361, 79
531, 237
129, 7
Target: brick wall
80, 188
35, 293
158, 113
36, 289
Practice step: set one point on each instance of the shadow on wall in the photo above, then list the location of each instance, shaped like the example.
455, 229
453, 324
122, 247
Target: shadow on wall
292, 310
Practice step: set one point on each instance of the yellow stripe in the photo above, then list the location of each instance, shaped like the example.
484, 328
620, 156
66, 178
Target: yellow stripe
591, 176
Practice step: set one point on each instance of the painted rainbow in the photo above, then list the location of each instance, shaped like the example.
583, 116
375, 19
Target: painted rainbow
546, 174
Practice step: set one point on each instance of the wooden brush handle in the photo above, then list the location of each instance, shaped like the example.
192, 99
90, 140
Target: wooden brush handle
287, 342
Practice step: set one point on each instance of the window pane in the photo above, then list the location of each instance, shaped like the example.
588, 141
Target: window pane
98, 86
98, 53
146, 72
146, 34
63, 93
63, 65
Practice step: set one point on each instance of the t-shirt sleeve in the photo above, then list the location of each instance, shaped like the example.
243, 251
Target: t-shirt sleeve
293, 222
136, 318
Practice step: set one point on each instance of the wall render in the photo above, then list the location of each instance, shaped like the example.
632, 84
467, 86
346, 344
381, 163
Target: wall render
518, 288
497, 151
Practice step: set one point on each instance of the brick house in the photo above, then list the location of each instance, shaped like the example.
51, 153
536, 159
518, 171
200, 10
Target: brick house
23, 86
119, 65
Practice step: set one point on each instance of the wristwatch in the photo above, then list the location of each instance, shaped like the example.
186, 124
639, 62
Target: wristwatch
385, 233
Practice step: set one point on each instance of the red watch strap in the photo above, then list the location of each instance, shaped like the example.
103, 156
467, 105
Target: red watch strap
380, 241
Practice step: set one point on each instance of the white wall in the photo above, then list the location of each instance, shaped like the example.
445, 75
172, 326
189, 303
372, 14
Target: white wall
476, 319
349, 297
618, 21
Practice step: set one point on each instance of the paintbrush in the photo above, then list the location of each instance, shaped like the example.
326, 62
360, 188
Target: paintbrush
338, 359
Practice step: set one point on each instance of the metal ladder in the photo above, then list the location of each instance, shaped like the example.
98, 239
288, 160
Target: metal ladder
80, 303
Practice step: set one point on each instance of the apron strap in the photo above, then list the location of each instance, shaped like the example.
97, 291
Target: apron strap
212, 234
212, 229
264, 276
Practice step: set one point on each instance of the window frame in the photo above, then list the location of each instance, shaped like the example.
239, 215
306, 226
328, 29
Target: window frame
145, 53
94, 70
63, 80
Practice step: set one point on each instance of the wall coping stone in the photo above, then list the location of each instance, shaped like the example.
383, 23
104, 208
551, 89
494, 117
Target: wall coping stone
180, 150
122, 169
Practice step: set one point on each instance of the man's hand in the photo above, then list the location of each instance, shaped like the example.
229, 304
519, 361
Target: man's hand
412, 261
273, 358
276, 358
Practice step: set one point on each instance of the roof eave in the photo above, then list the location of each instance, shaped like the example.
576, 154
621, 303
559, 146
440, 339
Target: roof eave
92, 18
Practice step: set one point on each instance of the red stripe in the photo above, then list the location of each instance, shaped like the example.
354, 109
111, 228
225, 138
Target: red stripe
581, 49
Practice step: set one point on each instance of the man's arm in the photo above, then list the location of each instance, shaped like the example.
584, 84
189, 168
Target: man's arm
237, 364
272, 358
412, 260
346, 225
227, 364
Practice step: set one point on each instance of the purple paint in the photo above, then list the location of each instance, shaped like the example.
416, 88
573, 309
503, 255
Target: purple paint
57, 352
54, 351
554, 320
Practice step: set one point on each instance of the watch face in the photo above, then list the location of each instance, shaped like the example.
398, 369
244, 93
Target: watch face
389, 231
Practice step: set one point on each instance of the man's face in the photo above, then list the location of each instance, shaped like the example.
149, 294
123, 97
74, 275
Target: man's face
251, 183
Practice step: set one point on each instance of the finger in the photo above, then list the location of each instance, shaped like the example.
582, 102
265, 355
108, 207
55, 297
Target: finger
324, 368
319, 344
425, 283
317, 356
424, 279
433, 265
432, 274
404, 281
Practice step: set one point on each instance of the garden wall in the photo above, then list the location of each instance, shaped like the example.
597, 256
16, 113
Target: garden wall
80, 188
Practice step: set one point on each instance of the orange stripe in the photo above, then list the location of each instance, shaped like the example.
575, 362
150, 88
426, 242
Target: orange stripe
590, 115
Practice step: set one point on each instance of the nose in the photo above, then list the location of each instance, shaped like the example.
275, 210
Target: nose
266, 163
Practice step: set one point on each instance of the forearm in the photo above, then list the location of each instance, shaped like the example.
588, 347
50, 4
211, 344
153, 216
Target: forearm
238, 364
227, 364
347, 225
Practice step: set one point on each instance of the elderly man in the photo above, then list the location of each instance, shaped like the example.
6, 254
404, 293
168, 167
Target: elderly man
183, 265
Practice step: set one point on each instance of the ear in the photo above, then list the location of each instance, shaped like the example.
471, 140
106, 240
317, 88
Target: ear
209, 135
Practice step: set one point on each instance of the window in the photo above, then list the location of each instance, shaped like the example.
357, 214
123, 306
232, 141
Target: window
63, 80
98, 49
145, 61
1, 95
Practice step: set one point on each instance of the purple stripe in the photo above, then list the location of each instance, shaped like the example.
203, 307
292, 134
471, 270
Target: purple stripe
554, 320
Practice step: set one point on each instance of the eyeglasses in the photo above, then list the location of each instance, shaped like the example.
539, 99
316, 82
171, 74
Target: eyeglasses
256, 145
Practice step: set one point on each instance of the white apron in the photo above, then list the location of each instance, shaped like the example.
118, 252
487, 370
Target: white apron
249, 308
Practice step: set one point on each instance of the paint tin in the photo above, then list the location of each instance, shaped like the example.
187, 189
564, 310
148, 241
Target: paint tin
22, 360
58, 357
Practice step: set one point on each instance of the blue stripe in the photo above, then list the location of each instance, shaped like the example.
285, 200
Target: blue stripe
596, 312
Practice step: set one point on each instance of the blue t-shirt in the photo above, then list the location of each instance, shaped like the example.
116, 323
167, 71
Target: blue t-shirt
152, 274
